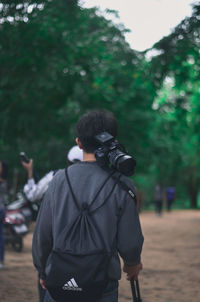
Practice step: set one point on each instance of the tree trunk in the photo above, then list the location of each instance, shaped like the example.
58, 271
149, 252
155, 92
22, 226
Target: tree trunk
193, 194
193, 199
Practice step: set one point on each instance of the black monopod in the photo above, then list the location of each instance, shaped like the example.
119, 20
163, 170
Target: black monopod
135, 290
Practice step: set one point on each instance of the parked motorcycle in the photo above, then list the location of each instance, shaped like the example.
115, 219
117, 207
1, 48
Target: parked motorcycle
27, 208
14, 229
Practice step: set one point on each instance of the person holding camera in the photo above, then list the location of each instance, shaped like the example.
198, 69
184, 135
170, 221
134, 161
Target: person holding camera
35, 191
87, 220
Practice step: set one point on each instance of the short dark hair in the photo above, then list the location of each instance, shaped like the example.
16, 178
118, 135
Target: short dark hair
92, 123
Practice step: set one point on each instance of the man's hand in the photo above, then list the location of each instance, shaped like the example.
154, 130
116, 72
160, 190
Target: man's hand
132, 271
42, 283
28, 167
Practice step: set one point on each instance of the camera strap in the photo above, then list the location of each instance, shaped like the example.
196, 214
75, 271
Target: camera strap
126, 188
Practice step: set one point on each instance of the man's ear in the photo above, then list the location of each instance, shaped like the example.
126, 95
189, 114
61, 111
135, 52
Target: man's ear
79, 143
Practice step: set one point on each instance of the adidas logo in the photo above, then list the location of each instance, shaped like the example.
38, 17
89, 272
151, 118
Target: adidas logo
71, 285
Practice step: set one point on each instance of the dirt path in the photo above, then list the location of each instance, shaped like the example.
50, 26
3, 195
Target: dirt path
171, 259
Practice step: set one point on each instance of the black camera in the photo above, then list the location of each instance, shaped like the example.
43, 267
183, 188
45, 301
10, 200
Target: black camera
23, 157
112, 153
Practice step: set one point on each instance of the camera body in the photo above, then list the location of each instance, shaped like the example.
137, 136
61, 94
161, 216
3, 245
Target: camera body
23, 157
112, 153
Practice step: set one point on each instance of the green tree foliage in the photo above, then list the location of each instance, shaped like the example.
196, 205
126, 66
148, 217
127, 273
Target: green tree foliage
57, 61
178, 107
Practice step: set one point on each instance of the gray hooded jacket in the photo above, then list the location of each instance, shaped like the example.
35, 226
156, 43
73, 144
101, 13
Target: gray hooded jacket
118, 218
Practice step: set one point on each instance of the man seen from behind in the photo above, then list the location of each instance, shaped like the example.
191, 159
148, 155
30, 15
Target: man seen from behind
113, 213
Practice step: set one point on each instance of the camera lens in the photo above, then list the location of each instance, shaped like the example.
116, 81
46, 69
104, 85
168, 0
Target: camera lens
126, 165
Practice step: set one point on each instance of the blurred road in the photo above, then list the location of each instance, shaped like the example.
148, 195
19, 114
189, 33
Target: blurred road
171, 261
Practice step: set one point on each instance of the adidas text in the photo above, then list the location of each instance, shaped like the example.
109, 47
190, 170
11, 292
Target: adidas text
71, 285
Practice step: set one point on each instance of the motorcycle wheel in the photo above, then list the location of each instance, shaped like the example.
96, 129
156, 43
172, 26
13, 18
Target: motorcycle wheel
17, 244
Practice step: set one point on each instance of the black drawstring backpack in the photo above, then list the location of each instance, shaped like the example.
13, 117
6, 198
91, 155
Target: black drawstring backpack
79, 264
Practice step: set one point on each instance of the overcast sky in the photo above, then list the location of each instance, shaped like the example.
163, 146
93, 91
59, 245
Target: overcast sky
148, 20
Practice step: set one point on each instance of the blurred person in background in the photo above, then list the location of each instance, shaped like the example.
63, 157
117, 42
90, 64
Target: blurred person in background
158, 199
170, 197
3, 192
